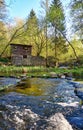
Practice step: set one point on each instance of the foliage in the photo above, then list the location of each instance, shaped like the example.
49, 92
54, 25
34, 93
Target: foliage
45, 35
56, 15
34, 33
4, 60
32, 23
3, 26
2, 32
56, 20
3, 10
3, 16
77, 16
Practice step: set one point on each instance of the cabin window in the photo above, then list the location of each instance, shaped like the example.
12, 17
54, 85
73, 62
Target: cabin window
24, 56
25, 48
15, 47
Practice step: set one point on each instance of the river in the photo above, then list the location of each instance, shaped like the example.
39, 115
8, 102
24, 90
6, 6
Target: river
26, 104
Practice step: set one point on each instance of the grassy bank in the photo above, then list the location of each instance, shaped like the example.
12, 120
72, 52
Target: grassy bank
39, 71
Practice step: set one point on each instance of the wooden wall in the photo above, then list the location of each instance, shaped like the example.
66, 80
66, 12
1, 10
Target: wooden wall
18, 49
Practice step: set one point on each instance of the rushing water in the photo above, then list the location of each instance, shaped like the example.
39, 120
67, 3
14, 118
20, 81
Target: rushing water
31, 101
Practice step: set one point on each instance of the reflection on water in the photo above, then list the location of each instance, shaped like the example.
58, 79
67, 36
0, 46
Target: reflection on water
53, 90
35, 87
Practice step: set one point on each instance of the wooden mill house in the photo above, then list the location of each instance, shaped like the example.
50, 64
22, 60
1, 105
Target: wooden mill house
21, 54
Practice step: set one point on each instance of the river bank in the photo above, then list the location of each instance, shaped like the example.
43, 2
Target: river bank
30, 71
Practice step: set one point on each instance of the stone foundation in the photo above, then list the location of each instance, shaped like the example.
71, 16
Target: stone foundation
29, 60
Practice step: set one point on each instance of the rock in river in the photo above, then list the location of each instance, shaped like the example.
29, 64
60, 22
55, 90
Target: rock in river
58, 122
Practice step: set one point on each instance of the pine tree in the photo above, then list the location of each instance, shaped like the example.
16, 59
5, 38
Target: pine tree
56, 15
32, 23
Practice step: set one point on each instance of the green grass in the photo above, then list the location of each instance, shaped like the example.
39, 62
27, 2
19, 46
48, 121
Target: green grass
38, 71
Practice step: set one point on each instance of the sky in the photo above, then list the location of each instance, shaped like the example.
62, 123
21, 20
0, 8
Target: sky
22, 8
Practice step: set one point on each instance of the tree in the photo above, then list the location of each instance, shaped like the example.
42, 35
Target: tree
45, 6
32, 24
3, 19
28, 33
3, 15
20, 34
2, 31
56, 18
2, 10
31, 29
34, 34
77, 16
40, 42
12, 37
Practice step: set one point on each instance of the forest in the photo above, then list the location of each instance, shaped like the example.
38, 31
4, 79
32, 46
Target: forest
47, 32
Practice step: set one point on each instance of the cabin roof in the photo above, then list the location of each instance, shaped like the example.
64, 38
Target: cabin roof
21, 45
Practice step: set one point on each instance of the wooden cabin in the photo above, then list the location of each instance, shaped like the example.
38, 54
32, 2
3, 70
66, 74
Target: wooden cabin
21, 54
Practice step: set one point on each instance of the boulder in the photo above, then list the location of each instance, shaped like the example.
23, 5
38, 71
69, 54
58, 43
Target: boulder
63, 76
58, 122
79, 91
53, 75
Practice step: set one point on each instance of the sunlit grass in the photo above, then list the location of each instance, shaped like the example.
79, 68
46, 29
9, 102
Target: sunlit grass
38, 71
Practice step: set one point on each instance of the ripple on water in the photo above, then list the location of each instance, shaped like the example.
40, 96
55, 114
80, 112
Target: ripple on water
35, 100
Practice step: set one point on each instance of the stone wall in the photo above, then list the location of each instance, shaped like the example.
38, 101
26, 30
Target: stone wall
37, 61
30, 60
16, 60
